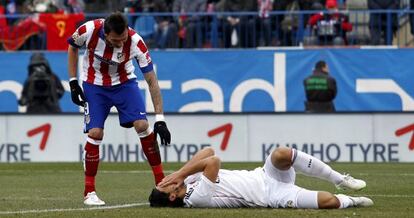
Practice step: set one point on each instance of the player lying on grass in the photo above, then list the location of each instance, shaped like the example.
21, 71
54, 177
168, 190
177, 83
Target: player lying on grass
201, 183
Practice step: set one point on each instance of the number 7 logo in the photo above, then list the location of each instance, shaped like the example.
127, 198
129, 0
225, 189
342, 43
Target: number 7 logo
405, 130
45, 128
226, 128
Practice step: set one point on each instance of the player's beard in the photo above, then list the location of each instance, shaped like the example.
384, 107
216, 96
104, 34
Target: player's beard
112, 45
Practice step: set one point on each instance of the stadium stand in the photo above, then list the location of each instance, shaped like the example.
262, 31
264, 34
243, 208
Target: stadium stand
360, 20
214, 34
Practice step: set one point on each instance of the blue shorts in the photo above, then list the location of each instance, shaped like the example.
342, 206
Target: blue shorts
125, 97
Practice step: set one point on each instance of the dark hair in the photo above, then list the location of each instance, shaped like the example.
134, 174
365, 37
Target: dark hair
319, 65
115, 22
158, 198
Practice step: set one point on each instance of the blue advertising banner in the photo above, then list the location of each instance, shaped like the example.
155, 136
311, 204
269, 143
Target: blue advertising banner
249, 80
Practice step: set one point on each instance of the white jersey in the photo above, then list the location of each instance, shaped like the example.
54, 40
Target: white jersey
233, 188
105, 65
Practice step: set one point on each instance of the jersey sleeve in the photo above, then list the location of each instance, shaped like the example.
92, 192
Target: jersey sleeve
80, 36
193, 178
200, 194
141, 54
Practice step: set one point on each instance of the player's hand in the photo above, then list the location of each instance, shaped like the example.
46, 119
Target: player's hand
174, 178
160, 128
76, 93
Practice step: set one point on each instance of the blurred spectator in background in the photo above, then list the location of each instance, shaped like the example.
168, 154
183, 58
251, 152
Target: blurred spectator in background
236, 28
169, 4
293, 19
320, 89
262, 25
11, 9
330, 28
74, 6
68, 6
43, 89
280, 6
17, 31
59, 26
310, 5
249, 37
38, 6
138, 5
412, 16
104, 6
3, 22
290, 23
190, 27
165, 30
212, 25
378, 21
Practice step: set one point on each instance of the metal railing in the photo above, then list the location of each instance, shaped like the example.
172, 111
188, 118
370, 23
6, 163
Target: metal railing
242, 29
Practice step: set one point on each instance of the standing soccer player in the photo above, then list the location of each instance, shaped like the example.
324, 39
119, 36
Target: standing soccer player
109, 80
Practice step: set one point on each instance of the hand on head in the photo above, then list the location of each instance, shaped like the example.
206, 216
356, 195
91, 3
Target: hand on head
174, 178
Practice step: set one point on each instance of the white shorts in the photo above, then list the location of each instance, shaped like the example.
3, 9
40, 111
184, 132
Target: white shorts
282, 191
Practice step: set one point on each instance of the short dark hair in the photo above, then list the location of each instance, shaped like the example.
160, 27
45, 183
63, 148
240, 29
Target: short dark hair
158, 198
319, 65
115, 22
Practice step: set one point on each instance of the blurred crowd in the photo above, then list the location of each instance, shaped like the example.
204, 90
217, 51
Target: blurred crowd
209, 23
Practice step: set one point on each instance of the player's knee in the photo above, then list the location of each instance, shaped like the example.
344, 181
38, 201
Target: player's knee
327, 200
141, 126
96, 133
281, 158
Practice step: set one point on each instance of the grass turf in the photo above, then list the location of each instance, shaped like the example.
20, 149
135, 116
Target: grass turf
55, 190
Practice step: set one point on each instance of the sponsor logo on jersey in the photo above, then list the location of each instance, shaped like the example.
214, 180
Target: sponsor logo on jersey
108, 61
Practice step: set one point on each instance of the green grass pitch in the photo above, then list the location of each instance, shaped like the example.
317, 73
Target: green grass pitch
55, 190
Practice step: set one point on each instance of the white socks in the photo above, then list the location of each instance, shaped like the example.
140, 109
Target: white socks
307, 199
344, 201
311, 166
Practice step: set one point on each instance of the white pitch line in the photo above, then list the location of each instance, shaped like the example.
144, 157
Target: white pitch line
34, 198
391, 196
74, 209
385, 174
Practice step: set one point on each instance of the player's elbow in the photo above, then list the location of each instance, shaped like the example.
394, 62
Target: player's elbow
213, 163
215, 160
212, 168
209, 151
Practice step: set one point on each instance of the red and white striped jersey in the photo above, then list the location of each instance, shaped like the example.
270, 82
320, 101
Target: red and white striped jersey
105, 65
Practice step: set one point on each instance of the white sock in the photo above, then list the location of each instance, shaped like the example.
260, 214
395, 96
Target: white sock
307, 199
312, 166
344, 201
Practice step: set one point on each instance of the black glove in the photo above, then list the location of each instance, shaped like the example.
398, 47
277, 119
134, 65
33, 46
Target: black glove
77, 93
160, 128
